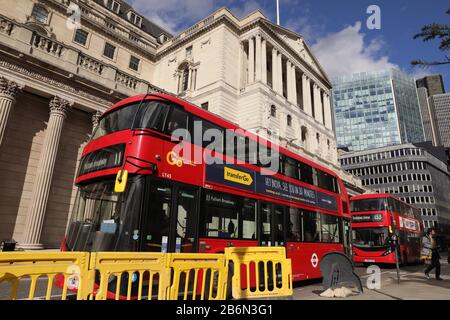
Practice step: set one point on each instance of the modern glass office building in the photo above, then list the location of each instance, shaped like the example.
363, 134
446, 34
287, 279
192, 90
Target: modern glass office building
376, 109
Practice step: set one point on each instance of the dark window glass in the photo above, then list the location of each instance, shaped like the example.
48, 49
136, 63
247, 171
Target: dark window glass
208, 138
109, 51
330, 229
152, 116
103, 220
219, 217
134, 63
366, 238
266, 224
326, 181
311, 226
378, 204
306, 173
279, 226
291, 168
81, 37
294, 226
157, 220
248, 220
40, 14
186, 219
178, 119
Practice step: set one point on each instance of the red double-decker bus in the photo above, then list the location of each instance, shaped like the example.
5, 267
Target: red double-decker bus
176, 203
378, 222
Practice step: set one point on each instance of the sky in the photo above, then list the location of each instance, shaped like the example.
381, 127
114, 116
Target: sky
336, 30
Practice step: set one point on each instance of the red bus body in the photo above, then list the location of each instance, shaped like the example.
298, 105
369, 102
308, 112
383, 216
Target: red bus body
148, 153
381, 221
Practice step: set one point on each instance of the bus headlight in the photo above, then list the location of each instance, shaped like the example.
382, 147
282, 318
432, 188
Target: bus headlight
387, 252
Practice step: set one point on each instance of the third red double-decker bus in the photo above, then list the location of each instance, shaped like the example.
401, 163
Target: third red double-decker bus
379, 219
174, 202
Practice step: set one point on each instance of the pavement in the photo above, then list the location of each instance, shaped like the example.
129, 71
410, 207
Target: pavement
413, 285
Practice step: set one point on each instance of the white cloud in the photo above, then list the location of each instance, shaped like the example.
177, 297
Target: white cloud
345, 52
174, 15
248, 7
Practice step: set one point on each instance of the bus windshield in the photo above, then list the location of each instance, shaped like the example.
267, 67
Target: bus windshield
106, 221
151, 116
377, 204
370, 237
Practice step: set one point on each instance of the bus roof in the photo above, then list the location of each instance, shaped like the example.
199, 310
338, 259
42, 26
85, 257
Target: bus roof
377, 196
206, 115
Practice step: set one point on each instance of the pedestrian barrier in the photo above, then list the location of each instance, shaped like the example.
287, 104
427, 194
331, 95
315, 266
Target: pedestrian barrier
196, 274
32, 269
260, 272
129, 276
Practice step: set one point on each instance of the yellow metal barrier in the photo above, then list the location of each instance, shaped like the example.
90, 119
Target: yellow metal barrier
129, 275
260, 272
37, 272
198, 275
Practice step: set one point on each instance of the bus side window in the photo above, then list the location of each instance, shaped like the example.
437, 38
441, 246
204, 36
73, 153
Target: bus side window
311, 226
178, 119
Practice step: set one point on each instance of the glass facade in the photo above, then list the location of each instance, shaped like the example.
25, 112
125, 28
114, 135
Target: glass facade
376, 109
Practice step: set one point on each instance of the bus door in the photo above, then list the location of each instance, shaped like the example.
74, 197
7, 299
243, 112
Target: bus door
271, 225
184, 236
294, 242
169, 218
347, 241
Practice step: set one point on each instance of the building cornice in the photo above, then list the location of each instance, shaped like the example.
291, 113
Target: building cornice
87, 6
42, 76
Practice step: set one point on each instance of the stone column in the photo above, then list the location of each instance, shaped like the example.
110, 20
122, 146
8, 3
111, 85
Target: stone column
264, 61
294, 85
189, 87
8, 92
289, 81
274, 69
251, 60
318, 104
306, 95
42, 183
258, 65
280, 73
328, 112
243, 59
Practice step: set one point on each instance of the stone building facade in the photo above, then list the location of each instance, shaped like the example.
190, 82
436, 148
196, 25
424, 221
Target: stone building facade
56, 79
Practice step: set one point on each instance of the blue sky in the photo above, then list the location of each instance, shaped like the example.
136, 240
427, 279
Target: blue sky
336, 30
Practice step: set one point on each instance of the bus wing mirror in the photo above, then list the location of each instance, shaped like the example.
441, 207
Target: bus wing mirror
121, 181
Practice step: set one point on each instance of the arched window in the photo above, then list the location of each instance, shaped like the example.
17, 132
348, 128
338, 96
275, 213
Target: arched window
289, 120
40, 14
184, 77
273, 111
304, 134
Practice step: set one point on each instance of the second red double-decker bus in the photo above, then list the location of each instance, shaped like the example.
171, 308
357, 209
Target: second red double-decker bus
379, 219
174, 202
